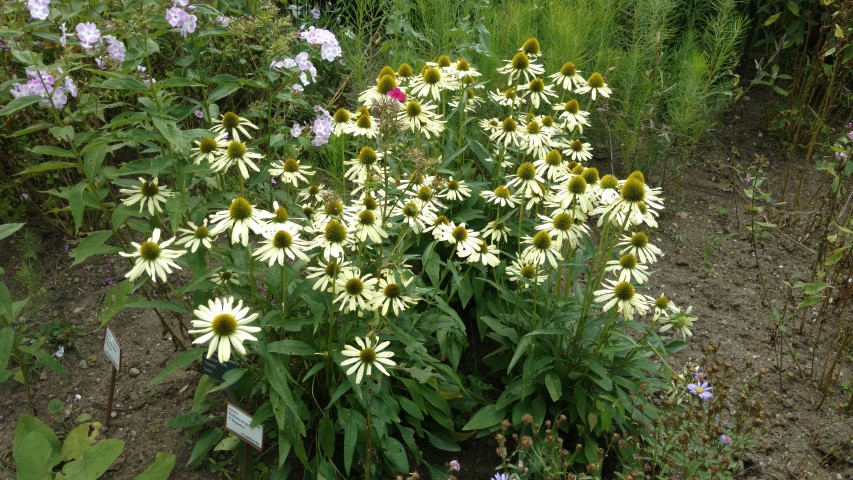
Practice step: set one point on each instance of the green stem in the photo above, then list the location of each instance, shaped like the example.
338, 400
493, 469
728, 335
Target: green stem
367, 434
283, 295
251, 261
26, 380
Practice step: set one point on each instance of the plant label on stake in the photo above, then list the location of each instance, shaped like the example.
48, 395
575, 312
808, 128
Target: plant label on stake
113, 351
238, 421
212, 368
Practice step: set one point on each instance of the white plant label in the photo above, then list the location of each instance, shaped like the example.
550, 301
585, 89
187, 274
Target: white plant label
237, 422
112, 349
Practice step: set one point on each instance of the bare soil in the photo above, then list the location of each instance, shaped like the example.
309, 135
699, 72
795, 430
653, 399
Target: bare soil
709, 264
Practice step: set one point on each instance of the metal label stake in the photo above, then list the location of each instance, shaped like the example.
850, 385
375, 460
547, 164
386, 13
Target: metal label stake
113, 351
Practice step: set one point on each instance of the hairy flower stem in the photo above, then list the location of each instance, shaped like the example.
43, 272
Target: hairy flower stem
26, 379
368, 427
606, 244
251, 263
283, 295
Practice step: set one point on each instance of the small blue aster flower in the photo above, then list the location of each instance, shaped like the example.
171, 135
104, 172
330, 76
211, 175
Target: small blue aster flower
701, 390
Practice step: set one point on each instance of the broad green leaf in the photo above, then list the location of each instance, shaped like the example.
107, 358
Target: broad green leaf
27, 425
291, 347
180, 362
75, 202
772, 19
227, 444
179, 82
63, 134
53, 151
205, 385
591, 420
93, 244
809, 301
33, 457
203, 446
163, 464
441, 443
46, 360
793, 7
220, 92
147, 304
7, 341
93, 157
552, 383
78, 440
115, 300
31, 129
409, 407
606, 420
230, 378
19, 103
601, 378
123, 83
394, 452
326, 437
486, 417
525, 340
55, 405
169, 131
47, 167
7, 229
95, 462
351, 429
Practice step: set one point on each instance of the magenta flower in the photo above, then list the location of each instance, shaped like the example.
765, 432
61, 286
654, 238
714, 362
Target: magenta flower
701, 390
397, 94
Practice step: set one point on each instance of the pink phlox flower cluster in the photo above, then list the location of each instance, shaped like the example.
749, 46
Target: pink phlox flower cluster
115, 48
39, 9
304, 65
88, 34
90, 38
322, 127
330, 49
179, 16
43, 84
